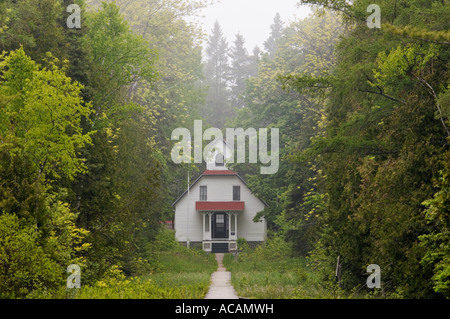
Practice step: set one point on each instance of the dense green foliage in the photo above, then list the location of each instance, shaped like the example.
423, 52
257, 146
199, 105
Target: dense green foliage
178, 273
270, 271
86, 117
365, 132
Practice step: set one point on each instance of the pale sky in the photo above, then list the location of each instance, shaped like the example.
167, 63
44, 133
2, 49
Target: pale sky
251, 18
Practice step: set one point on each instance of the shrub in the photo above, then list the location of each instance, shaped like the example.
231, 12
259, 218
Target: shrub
275, 247
24, 266
165, 241
242, 244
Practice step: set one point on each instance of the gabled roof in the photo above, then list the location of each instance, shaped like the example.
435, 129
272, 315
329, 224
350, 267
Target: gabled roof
223, 140
215, 173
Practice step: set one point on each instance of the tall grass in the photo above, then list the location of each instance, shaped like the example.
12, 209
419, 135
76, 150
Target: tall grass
179, 273
271, 272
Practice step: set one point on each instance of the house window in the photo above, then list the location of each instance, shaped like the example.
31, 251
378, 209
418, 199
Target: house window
220, 219
236, 192
219, 159
203, 193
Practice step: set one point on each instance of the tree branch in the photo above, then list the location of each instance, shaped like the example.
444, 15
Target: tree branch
433, 93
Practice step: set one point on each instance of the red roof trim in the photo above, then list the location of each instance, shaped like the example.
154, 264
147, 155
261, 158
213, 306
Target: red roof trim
235, 205
216, 173
219, 172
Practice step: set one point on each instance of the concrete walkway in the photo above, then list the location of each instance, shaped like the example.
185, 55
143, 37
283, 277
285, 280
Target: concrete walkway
221, 287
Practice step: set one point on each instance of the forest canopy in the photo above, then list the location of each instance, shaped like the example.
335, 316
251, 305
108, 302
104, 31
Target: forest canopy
86, 116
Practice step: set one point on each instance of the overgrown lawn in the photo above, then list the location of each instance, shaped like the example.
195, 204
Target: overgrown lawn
270, 272
181, 274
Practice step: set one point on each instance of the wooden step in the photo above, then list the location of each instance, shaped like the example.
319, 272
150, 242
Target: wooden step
219, 248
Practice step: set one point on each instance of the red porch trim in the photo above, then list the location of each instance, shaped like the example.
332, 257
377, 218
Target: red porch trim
235, 205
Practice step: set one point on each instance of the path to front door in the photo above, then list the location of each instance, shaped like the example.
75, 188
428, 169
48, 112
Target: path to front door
221, 287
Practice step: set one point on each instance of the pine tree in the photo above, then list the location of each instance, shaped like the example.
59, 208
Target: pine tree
240, 71
271, 44
217, 71
254, 61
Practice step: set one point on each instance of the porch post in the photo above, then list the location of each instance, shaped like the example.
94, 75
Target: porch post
203, 227
208, 233
235, 224
229, 224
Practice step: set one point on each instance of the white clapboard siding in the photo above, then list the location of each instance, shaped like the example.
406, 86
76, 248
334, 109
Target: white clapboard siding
219, 188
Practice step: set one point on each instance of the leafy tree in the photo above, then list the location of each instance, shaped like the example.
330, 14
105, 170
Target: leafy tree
175, 98
437, 242
384, 141
40, 120
24, 265
110, 205
119, 57
40, 115
292, 207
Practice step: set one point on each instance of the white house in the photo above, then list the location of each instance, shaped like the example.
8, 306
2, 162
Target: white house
218, 207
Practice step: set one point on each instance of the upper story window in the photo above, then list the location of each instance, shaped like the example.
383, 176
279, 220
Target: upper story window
203, 193
219, 159
236, 192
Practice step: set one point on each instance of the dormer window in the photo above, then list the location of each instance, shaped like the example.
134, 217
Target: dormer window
219, 159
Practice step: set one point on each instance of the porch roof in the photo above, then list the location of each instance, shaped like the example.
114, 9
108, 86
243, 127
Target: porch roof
234, 205
219, 172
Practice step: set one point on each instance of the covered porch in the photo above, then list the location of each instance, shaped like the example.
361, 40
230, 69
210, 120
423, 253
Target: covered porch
220, 226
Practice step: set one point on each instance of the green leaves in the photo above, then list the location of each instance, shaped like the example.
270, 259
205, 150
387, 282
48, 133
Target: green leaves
437, 243
44, 114
25, 265
401, 62
383, 145
119, 56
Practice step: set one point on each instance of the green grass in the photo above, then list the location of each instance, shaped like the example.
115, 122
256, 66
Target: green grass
187, 274
273, 278
181, 274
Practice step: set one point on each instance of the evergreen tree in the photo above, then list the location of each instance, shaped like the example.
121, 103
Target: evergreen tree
254, 61
240, 71
385, 143
276, 30
217, 71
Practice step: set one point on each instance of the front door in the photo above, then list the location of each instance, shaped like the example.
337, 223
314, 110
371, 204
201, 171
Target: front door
220, 225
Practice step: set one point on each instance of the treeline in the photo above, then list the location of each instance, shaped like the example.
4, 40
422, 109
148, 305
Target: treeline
364, 147
227, 69
85, 121
86, 116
